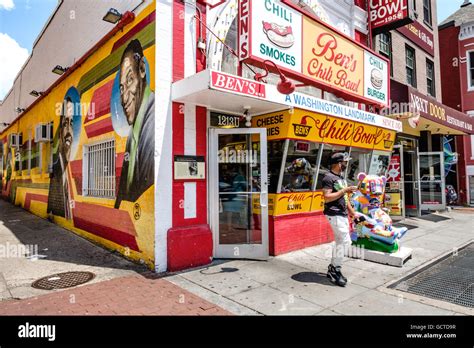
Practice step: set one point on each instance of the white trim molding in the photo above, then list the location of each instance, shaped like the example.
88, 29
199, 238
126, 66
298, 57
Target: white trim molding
466, 31
470, 87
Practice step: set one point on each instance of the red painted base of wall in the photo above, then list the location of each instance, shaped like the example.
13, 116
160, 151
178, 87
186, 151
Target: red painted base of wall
189, 247
293, 232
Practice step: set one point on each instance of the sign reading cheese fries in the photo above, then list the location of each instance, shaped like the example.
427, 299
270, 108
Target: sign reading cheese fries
311, 51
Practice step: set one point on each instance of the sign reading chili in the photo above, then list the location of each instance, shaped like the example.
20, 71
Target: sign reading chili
314, 127
386, 15
311, 51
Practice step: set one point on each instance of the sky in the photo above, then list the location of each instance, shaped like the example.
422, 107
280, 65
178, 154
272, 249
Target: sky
447, 7
21, 21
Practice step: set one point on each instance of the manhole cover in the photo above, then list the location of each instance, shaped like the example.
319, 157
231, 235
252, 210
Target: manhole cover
63, 280
450, 279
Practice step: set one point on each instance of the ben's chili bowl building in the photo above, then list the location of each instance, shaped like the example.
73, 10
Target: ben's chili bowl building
224, 157
263, 146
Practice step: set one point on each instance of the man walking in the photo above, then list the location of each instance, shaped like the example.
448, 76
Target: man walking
337, 208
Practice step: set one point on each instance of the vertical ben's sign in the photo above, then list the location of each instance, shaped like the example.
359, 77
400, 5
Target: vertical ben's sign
386, 15
244, 29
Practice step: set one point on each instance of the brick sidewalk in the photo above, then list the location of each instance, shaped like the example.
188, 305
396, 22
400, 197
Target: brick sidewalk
131, 295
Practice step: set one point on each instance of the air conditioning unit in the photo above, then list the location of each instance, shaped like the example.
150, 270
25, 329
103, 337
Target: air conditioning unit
43, 132
15, 140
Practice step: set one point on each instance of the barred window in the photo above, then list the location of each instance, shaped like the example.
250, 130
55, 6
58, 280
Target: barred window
99, 170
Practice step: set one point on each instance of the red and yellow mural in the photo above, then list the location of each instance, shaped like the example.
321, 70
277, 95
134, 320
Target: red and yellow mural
94, 173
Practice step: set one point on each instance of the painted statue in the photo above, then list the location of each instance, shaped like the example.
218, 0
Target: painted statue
373, 226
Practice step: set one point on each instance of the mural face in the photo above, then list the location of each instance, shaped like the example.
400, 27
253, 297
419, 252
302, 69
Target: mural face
96, 175
138, 103
59, 198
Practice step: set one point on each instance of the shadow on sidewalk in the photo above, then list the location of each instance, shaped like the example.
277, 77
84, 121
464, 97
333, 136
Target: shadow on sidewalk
53, 243
312, 277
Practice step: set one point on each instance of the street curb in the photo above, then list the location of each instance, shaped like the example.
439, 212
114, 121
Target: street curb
385, 288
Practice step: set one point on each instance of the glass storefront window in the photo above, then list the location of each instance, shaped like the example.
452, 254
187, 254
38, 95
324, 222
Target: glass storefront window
379, 163
359, 163
294, 166
276, 151
300, 166
328, 150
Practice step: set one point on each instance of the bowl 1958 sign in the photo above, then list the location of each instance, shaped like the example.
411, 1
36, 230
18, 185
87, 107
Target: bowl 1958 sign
386, 15
310, 51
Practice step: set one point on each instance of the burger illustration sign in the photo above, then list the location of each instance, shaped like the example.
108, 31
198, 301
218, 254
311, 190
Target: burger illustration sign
376, 78
310, 51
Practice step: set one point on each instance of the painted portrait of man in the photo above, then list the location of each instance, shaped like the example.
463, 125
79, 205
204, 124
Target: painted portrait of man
138, 104
59, 199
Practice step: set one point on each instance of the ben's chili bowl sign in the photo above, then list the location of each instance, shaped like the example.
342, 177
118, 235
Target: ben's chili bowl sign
331, 59
311, 51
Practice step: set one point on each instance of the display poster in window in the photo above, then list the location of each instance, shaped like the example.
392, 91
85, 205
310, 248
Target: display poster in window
394, 169
379, 163
189, 168
393, 202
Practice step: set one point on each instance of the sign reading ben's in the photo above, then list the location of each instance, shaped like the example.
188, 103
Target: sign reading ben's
311, 51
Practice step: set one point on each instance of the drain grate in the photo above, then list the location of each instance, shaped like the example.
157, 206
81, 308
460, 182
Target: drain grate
63, 280
450, 279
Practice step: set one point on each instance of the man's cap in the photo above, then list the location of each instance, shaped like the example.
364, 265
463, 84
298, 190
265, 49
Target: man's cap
339, 157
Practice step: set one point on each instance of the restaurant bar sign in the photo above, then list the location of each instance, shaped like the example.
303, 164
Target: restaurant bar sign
386, 15
432, 110
310, 51
421, 36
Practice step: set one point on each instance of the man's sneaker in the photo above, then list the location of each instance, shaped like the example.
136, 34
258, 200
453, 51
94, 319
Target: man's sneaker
338, 271
335, 276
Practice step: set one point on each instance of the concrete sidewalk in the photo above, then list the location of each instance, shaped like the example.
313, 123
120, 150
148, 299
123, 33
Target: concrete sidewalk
120, 287
291, 284
296, 283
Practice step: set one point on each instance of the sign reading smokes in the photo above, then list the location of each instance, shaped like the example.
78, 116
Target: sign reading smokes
386, 15
310, 50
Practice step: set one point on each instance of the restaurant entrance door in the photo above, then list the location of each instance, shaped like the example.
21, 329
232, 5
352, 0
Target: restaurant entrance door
238, 192
411, 177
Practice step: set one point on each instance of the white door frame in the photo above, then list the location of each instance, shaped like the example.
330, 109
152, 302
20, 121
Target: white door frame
238, 251
442, 182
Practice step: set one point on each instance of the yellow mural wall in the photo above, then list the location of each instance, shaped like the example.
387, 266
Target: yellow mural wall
94, 174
